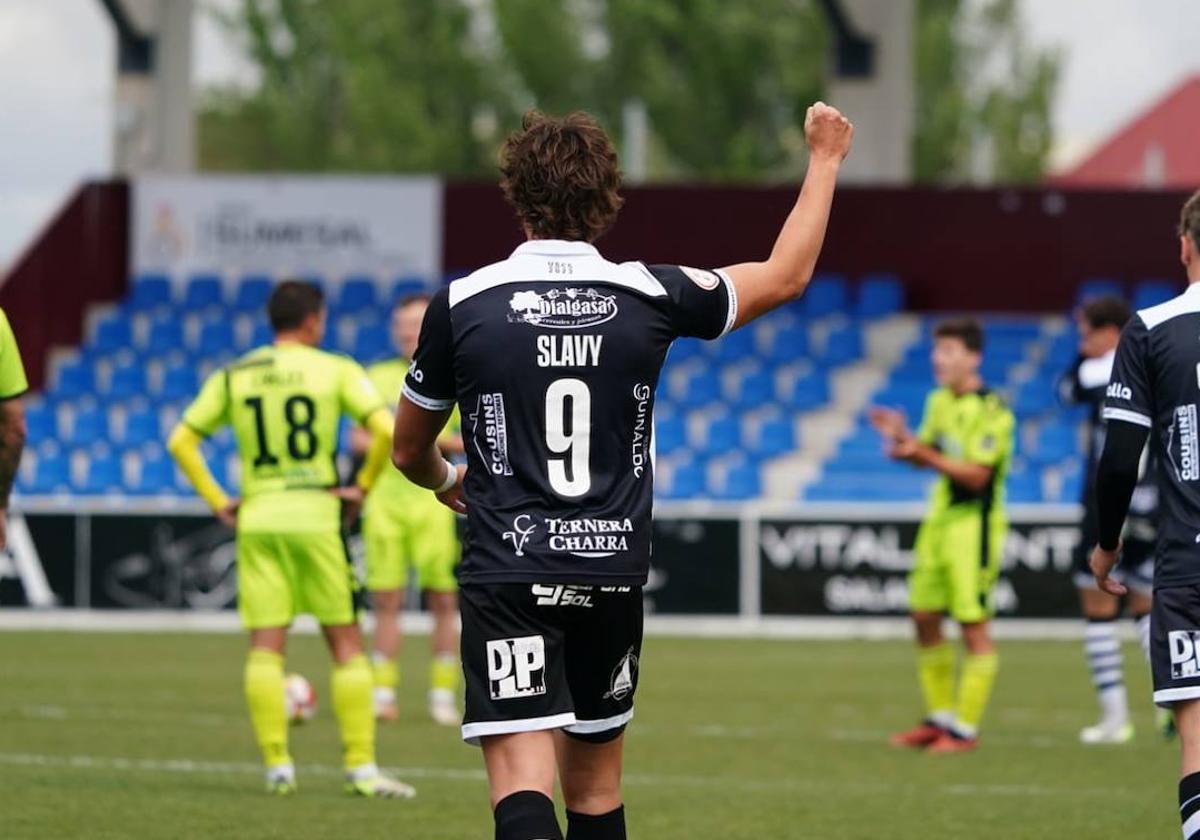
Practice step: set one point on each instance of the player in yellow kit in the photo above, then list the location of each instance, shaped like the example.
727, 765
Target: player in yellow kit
284, 402
967, 436
12, 418
405, 527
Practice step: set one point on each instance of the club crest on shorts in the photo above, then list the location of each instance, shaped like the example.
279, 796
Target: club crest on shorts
1185, 656
516, 667
623, 677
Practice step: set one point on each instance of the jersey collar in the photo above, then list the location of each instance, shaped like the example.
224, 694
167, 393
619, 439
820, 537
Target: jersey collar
555, 248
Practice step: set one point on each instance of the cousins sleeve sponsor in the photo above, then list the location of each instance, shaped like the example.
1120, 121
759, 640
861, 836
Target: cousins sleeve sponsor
430, 380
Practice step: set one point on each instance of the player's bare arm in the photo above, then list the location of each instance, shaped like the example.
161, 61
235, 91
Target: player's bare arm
415, 453
784, 275
12, 444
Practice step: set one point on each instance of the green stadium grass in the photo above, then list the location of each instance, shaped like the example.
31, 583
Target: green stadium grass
144, 736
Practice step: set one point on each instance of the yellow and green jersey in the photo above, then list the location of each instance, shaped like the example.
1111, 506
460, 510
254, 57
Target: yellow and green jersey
392, 487
284, 403
976, 428
12, 372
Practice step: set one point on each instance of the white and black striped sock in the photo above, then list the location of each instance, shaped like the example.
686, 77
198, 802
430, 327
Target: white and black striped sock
1103, 650
1189, 806
1142, 623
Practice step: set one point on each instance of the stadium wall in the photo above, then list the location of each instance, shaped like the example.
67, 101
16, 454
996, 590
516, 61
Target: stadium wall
956, 250
80, 258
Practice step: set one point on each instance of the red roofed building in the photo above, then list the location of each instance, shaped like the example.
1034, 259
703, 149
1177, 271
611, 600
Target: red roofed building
1158, 149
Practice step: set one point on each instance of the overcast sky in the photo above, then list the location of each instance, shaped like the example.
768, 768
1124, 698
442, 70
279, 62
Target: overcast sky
56, 70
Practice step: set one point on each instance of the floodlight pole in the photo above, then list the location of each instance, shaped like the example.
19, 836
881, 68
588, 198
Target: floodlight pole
153, 125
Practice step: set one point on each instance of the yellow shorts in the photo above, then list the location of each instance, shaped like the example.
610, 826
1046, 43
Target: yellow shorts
281, 576
957, 565
421, 538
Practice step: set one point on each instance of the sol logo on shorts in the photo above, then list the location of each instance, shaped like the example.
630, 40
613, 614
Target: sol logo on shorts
1185, 658
516, 667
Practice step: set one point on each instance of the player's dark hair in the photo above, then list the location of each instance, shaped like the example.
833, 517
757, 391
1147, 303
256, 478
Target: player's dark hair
561, 176
291, 302
966, 330
409, 300
1189, 219
1106, 311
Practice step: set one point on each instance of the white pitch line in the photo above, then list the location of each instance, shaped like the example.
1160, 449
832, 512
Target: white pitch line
775, 785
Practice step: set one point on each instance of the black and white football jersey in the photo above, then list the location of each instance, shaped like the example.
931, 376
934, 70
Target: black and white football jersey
1156, 384
553, 357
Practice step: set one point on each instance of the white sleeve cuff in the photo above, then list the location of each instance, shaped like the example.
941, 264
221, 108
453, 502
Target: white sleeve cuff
1127, 416
731, 316
427, 403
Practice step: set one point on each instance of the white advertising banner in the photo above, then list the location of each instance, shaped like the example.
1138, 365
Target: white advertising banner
325, 226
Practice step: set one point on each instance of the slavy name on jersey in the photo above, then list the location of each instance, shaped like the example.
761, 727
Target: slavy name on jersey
568, 350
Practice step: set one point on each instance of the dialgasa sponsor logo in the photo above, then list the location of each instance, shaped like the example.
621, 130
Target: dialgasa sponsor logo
562, 309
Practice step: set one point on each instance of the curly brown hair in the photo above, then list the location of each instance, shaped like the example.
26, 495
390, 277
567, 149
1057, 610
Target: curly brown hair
1189, 220
561, 176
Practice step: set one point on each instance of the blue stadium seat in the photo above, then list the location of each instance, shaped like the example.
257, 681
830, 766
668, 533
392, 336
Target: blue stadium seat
157, 475
40, 424
788, 345
808, 392
1099, 287
252, 293
112, 334
755, 390
741, 482
408, 286
203, 290
52, 475
1025, 487
702, 388
357, 293
843, 345
128, 381
1072, 488
90, 426
149, 291
1153, 292
670, 435
723, 435
735, 347
262, 334
879, 295
685, 348
179, 382
216, 337
827, 294
371, 342
775, 437
103, 474
165, 336
1056, 442
687, 482
141, 427
76, 379
1035, 397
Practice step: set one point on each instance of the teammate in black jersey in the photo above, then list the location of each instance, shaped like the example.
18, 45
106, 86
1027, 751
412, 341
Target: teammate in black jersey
1155, 393
1100, 322
553, 357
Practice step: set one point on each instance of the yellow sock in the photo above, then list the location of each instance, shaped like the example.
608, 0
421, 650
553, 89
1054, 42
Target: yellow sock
935, 666
974, 690
355, 710
444, 673
264, 695
385, 670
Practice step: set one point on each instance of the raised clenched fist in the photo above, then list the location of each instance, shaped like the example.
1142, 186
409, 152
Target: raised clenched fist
829, 134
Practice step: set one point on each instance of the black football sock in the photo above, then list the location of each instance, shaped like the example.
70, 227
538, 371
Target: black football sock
1189, 805
610, 826
526, 815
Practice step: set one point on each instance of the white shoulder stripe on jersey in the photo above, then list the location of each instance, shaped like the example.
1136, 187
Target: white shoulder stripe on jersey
427, 403
531, 268
1128, 416
1187, 303
731, 316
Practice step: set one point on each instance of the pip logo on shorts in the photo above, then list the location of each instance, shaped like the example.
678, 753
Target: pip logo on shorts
1185, 654
517, 667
